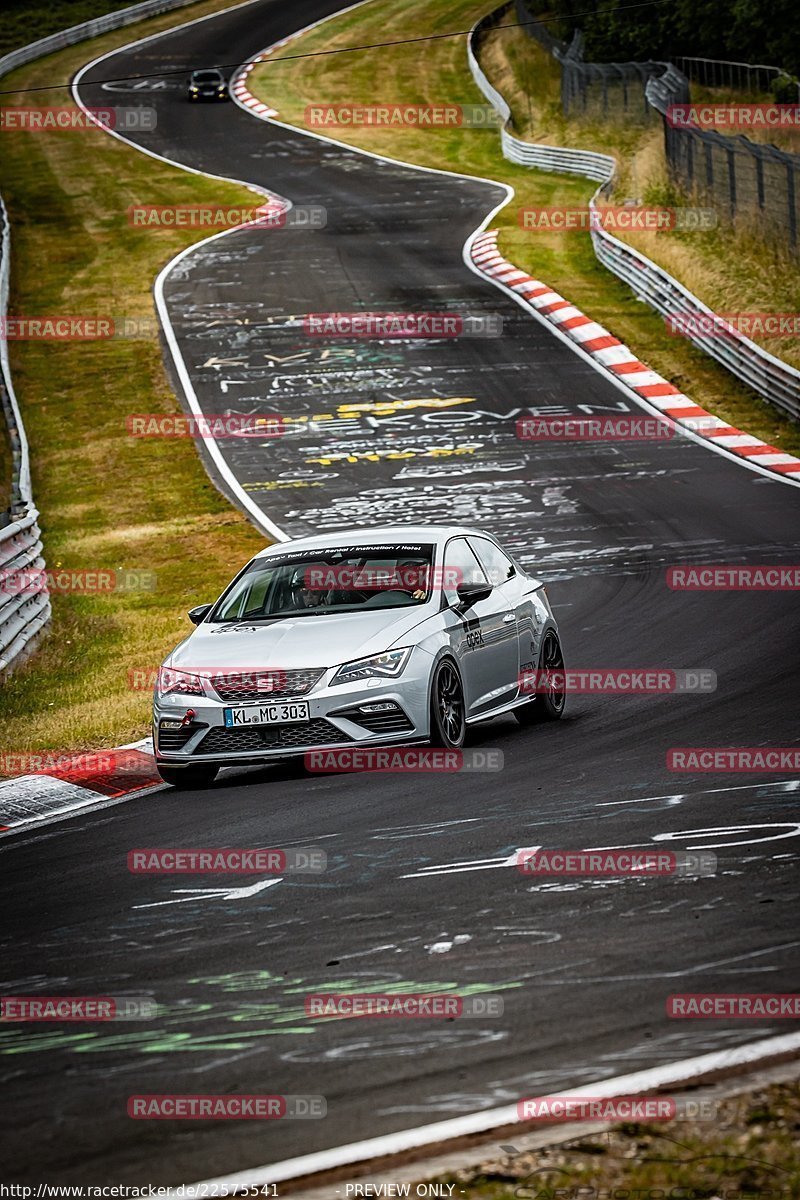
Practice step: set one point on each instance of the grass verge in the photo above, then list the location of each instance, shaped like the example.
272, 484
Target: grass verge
21, 22
107, 500
436, 72
749, 1150
729, 269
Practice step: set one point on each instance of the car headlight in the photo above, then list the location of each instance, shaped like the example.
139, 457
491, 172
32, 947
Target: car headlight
378, 666
183, 683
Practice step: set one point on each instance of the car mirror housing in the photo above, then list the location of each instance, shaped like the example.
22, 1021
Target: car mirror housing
199, 613
472, 593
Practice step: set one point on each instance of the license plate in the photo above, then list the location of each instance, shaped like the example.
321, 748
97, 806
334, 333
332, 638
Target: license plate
278, 713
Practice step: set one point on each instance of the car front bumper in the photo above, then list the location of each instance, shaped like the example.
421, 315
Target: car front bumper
341, 715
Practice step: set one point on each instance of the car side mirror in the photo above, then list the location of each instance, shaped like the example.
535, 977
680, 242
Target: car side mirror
199, 613
472, 593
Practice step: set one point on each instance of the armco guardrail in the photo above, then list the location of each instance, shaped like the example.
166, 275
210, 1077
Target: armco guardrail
532, 154
599, 167
770, 377
24, 613
89, 29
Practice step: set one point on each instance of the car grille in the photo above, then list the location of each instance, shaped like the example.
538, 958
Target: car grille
271, 737
176, 739
392, 720
265, 684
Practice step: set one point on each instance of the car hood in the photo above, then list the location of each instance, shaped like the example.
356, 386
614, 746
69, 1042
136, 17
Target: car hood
288, 644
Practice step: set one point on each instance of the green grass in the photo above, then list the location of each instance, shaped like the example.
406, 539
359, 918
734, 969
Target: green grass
436, 72
729, 269
106, 500
22, 22
748, 1150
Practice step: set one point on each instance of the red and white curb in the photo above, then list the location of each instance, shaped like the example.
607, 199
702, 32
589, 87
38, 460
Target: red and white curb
622, 364
68, 783
239, 87
607, 351
242, 93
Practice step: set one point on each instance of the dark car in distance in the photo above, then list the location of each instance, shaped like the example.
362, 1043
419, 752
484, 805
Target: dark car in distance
208, 84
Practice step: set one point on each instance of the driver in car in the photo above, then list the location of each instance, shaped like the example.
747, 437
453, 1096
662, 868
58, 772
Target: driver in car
304, 596
413, 574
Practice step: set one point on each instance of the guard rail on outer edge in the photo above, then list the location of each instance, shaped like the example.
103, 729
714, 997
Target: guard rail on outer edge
89, 29
24, 613
770, 377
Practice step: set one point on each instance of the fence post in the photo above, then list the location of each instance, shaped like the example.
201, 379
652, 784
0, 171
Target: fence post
732, 180
760, 180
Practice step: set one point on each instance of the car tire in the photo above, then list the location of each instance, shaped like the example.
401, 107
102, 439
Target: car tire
448, 711
545, 706
184, 778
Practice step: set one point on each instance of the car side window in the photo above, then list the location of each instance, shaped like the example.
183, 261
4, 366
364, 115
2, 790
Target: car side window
255, 602
460, 566
497, 565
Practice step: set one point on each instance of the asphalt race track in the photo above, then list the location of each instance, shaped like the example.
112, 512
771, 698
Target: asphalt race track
584, 967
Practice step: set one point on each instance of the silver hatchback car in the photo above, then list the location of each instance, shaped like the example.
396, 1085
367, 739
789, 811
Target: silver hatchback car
398, 634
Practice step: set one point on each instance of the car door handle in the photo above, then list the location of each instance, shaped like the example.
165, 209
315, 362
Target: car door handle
509, 617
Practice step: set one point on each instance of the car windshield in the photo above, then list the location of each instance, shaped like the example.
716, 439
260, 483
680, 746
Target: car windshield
330, 580
206, 77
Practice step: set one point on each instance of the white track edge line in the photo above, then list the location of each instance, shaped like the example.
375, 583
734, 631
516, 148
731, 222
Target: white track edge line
629, 393
658, 1076
265, 524
495, 1118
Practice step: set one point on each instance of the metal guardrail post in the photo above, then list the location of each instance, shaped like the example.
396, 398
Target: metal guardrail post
24, 600
776, 381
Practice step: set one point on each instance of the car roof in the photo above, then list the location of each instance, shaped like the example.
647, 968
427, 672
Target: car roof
375, 535
207, 71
